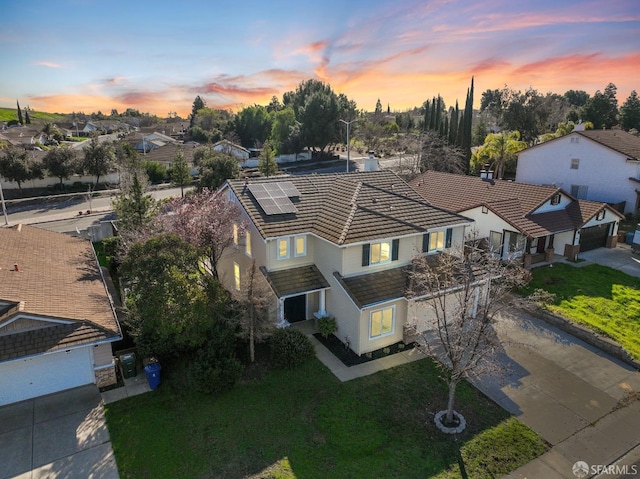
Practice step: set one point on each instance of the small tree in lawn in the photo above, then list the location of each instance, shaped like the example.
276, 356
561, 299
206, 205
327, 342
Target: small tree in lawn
60, 162
268, 166
253, 299
99, 159
205, 220
457, 330
180, 174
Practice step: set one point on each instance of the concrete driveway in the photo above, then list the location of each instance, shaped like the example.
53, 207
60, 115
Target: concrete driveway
620, 258
62, 435
576, 397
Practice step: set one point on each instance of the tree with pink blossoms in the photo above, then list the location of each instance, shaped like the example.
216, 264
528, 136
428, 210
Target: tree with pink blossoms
205, 220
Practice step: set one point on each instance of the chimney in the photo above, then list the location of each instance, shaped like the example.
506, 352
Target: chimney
486, 173
15, 268
371, 163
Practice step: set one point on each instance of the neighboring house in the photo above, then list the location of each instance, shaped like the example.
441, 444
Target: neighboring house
229, 148
146, 142
522, 220
166, 154
597, 165
57, 320
338, 245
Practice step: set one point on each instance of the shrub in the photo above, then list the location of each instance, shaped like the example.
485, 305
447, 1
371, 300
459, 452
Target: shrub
156, 172
290, 348
213, 372
327, 326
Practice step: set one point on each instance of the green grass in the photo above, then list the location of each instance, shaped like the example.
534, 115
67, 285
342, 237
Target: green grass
602, 298
306, 424
8, 114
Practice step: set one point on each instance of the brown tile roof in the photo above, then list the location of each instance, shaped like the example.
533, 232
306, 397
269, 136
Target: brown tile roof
167, 153
57, 277
347, 208
368, 289
618, 140
513, 202
294, 281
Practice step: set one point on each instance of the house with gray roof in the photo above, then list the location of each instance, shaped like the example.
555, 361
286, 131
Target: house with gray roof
519, 220
57, 320
340, 245
597, 165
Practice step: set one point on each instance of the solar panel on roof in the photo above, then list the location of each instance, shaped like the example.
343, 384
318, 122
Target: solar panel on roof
273, 198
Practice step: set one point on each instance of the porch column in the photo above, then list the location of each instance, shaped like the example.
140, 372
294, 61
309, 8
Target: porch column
321, 306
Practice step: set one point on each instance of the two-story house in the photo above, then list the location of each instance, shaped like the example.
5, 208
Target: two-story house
339, 245
597, 165
522, 220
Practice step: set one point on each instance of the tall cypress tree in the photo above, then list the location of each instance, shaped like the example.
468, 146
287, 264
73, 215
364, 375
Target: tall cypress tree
427, 114
468, 116
432, 118
19, 113
26, 117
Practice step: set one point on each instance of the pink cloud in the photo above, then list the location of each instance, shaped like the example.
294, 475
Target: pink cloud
48, 64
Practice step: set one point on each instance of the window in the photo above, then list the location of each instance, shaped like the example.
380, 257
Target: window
236, 276
247, 237
516, 242
283, 248
485, 210
579, 191
382, 322
575, 163
600, 215
575, 139
300, 246
235, 234
437, 240
380, 252
495, 241
556, 199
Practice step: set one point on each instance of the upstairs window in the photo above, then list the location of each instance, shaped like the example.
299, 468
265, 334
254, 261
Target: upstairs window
300, 246
236, 276
437, 240
380, 253
247, 237
556, 199
600, 215
283, 248
575, 163
235, 234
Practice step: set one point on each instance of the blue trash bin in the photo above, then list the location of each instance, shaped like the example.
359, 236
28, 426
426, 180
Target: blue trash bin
152, 371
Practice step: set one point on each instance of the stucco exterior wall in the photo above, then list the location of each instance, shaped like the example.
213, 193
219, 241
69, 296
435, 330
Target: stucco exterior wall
604, 171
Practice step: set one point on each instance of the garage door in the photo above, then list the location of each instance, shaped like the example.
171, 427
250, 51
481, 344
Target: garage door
32, 377
594, 237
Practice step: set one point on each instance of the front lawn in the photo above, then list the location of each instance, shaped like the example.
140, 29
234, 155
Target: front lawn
601, 298
304, 423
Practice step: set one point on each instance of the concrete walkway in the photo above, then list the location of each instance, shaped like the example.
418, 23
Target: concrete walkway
62, 435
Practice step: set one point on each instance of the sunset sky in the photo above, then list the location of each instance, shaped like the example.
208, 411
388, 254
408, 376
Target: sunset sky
85, 55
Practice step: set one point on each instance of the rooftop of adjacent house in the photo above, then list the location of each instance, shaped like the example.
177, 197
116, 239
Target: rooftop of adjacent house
167, 153
515, 202
345, 208
52, 276
618, 140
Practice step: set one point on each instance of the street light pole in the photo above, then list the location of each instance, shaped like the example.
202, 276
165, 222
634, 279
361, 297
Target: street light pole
348, 123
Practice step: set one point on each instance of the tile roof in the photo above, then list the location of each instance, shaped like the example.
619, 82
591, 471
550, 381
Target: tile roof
167, 153
347, 208
373, 288
57, 277
513, 202
294, 281
618, 140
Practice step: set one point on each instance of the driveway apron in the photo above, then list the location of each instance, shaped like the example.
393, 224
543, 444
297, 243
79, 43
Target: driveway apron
62, 435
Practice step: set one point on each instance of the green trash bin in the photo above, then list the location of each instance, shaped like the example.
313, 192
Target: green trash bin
128, 363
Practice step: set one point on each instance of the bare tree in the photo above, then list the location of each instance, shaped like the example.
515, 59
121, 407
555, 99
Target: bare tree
438, 154
461, 294
253, 299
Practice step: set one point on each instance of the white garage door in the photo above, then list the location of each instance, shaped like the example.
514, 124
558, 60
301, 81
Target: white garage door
29, 378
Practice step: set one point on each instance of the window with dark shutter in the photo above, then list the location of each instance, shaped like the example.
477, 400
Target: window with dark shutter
449, 235
395, 246
425, 242
366, 249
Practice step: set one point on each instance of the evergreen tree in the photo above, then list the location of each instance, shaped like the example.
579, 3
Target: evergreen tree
19, 113
630, 112
198, 104
466, 133
180, 173
26, 116
267, 164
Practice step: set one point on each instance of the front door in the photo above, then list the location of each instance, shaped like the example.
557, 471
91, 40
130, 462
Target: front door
295, 308
540, 246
